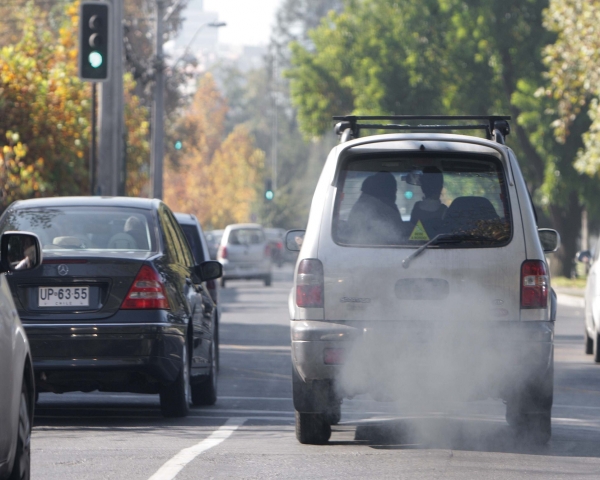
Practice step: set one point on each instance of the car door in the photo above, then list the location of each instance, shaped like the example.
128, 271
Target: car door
8, 372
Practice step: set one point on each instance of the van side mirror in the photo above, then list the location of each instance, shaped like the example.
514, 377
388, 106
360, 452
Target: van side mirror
584, 257
550, 239
19, 251
294, 239
209, 270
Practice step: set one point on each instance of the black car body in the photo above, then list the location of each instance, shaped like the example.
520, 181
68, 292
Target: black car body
118, 304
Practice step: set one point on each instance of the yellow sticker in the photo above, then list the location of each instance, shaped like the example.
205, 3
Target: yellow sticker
419, 232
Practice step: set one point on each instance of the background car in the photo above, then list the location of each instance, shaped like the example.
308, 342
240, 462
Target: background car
213, 240
119, 303
275, 238
245, 253
195, 237
17, 388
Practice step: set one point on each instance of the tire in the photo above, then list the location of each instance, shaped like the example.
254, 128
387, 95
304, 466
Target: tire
312, 428
175, 398
268, 280
533, 427
205, 393
596, 347
334, 415
588, 342
22, 465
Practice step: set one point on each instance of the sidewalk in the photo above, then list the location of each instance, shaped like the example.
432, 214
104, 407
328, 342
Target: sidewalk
574, 292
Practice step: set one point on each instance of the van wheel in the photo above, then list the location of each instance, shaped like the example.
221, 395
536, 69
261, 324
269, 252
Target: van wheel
22, 465
312, 428
596, 348
205, 393
589, 342
175, 398
268, 280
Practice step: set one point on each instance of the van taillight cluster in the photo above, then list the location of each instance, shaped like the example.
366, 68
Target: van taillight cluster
534, 284
147, 292
309, 284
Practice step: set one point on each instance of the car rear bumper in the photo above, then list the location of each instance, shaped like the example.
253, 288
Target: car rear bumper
490, 359
232, 271
127, 357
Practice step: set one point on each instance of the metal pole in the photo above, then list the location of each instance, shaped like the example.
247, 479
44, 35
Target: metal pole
93, 145
156, 169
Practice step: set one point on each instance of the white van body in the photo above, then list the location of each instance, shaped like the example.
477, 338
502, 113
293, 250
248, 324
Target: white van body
453, 315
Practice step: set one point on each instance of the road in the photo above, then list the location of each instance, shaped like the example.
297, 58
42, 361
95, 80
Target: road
249, 433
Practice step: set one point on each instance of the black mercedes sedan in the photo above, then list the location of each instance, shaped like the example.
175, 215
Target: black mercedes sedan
118, 304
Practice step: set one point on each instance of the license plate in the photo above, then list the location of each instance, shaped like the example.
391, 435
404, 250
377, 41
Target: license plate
64, 296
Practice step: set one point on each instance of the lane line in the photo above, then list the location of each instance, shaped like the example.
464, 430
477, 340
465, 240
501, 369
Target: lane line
172, 467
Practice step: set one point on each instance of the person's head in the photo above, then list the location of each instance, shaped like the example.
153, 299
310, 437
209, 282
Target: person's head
381, 185
432, 182
133, 224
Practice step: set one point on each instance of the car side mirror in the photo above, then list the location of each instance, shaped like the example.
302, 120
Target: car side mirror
19, 251
209, 270
294, 239
550, 239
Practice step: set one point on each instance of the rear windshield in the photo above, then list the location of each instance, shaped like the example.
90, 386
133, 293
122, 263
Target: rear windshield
246, 236
193, 238
85, 228
409, 200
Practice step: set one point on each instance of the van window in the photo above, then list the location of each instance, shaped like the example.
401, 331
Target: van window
409, 200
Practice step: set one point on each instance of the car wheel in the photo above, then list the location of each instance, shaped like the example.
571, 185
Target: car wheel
596, 348
589, 342
205, 393
268, 280
22, 465
175, 398
312, 428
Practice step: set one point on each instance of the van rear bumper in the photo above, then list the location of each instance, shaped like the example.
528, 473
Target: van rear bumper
492, 358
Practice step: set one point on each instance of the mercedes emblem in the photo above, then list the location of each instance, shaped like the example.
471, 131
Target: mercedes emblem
63, 270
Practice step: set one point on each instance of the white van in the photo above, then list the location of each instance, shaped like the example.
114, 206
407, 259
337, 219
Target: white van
422, 277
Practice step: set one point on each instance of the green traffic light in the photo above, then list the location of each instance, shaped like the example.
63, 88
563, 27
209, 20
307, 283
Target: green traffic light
269, 194
178, 145
95, 59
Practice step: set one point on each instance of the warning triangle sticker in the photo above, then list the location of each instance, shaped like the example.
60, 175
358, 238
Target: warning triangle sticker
419, 232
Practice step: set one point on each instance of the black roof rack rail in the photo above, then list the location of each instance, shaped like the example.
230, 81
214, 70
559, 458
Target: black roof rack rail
496, 126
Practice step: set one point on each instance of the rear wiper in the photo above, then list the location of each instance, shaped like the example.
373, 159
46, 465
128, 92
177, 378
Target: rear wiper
442, 238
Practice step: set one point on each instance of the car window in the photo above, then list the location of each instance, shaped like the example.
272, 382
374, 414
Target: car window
407, 201
193, 238
85, 228
172, 247
246, 236
181, 245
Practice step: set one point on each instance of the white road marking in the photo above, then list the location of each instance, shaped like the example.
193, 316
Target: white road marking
172, 467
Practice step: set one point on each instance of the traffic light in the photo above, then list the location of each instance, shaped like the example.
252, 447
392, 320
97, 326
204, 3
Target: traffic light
94, 23
178, 145
269, 194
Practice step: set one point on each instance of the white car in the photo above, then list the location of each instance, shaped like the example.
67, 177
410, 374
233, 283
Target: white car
422, 278
19, 251
592, 303
245, 253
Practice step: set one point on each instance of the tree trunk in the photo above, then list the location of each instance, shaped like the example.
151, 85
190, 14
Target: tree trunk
567, 220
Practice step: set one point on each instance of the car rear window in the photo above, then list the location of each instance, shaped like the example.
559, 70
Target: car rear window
246, 236
85, 228
409, 200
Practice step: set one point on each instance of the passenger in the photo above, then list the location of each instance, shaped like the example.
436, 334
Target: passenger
375, 219
430, 211
135, 228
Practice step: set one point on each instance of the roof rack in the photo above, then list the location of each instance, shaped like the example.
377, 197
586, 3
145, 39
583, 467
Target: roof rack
496, 126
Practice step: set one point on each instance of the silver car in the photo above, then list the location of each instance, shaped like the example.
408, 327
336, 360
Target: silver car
19, 251
422, 278
245, 253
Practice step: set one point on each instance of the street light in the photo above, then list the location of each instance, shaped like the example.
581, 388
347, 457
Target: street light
158, 110
189, 45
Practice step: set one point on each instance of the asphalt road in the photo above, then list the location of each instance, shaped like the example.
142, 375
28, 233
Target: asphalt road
249, 433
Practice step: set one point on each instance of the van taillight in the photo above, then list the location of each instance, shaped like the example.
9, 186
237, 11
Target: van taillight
309, 284
534, 284
147, 292
222, 252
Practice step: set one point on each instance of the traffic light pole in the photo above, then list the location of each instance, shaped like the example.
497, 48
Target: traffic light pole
158, 108
93, 142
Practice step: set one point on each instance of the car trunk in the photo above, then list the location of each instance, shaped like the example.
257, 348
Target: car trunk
76, 285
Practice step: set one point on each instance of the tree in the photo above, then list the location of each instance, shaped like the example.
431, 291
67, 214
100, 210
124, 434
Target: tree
445, 56
218, 174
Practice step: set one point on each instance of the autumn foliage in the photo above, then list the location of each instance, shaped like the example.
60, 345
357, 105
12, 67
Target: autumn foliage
216, 176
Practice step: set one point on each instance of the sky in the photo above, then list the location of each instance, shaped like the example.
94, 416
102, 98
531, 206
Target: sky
248, 21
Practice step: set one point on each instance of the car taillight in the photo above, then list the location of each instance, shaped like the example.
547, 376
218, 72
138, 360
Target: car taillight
147, 292
222, 252
534, 284
309, 284
334, 356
